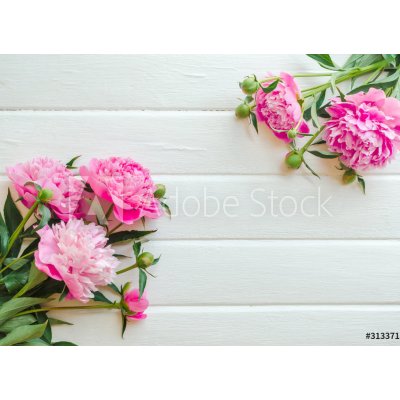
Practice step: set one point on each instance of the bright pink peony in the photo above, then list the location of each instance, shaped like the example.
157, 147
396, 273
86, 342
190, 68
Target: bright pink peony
76, 254
135, 305
126, 184
280, 109
49, 174
365, 129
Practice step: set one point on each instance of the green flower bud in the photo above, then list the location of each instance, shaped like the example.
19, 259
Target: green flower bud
293, 160
160, 191
249, 86
349, 177
242, 111
145, 260
292, 134
45, 195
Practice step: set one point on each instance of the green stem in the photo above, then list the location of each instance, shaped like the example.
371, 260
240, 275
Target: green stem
105, 306
113, 230
16, 260
351, 74
127, 269
311, 140
20, 227
109, 211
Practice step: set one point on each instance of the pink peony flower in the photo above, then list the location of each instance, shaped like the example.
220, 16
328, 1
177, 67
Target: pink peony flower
126, 184
49, 174
365, 129
280, 108
137, 306
76, 254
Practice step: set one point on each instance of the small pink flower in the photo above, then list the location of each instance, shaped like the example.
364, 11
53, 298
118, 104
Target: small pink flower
49, 174
365, 129
126, 184
76, 253
280, 109
135, 305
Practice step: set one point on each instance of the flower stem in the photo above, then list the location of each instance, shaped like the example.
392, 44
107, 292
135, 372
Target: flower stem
16, 260
95, 306
127, 269
311, 140
20, 227
115, 228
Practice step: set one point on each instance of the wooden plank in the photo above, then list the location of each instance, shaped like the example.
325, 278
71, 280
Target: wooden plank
140, 82
252, 207
166, 142
274, 325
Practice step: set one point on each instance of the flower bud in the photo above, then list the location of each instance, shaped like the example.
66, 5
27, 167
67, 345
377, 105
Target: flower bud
45, 195
349, 176
249, 86
293, 160
160, 191
292, 133
242, 111
145, 260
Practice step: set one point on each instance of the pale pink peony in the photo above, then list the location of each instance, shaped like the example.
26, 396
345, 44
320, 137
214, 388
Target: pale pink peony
365, 129
49, 174
76, 253
280, 109
135, 305
126, 184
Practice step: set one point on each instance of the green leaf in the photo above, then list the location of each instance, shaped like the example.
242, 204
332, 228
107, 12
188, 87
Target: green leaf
361, 181
3, 239
156, 260
127, 235
136, 248
114, 287
253, 119
319, 142
383, 83
14, 306
15, 280
166, 208
142, 282
63, 343
390, 58
270, 87
98, 296
352, 60
324, 154
324, 60
23, 333
12, 218
15, 322
55, 321
70, 163
314, 114
32, 246
123, 324
311, 170
35, 342
64, 293
320, 100
17, 263
125, 288
45, 214
35, 278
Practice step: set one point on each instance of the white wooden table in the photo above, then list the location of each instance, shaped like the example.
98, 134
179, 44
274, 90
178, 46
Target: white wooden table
296, 280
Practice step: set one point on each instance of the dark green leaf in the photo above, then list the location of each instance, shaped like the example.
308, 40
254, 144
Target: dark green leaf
319, 101
324, 154
15, 280
45, 216
123, 324
136, 248
142, 282
311, 170
156, 260
35, 278
114, 287
3, 239
166, 208
383, 83
319, 142
324, 60
70, 163
32, 246
362, 183
23, 333
98, 296
15, 322
12, 218
14, 306
55, 321
127, 235
63, 343
253, 119
272, 86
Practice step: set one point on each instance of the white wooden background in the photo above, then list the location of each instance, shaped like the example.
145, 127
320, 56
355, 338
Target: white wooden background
221, 281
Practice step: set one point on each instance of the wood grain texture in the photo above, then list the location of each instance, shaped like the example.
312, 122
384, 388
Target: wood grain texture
166, 142
205, 82
274, 325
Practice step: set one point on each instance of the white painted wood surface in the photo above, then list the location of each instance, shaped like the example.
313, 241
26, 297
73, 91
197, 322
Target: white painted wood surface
284, 279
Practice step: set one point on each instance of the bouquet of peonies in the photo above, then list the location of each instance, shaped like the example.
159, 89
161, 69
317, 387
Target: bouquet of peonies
360, 128
62, 247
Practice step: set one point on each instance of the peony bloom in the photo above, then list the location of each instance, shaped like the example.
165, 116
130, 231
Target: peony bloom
365, 129
49, 174
280, 109
76, 254
126, 184
135, 305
